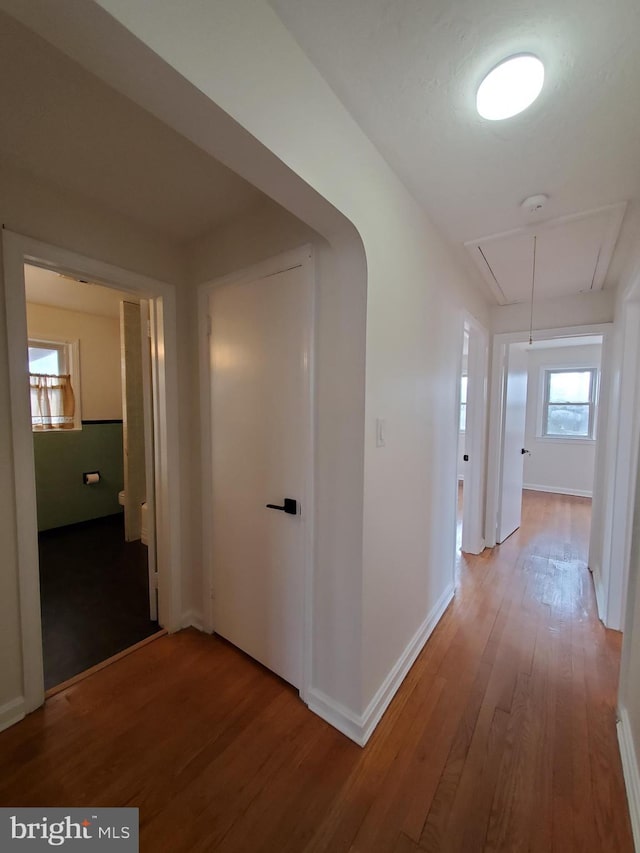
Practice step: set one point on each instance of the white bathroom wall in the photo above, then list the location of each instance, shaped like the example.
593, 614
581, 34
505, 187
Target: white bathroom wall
561, 465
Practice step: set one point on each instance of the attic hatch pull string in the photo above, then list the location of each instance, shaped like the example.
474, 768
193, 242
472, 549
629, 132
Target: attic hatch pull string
533, 286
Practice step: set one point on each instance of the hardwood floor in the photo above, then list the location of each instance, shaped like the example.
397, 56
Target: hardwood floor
502, 737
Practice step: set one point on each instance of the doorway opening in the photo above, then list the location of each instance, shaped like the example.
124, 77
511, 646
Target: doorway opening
463, 456
19, 250
91, 405
551, 422
471, 426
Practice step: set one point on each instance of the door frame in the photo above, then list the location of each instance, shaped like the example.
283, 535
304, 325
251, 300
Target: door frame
499, 347
611, 574
475, 437
19, 250
302, 257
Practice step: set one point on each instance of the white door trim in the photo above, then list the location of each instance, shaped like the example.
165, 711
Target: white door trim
500, 342
301, 257
473, 492
18, 250
624, 433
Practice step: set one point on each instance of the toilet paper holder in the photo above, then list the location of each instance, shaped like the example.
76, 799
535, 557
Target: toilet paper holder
90, 478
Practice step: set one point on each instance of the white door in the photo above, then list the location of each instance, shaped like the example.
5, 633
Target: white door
474, 440
513, 449
260, 438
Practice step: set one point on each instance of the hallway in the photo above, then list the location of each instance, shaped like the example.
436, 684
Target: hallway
502, 736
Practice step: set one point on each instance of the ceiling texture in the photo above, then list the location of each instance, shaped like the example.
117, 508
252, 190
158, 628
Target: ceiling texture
408, 71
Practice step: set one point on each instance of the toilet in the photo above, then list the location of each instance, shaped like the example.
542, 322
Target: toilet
144, 515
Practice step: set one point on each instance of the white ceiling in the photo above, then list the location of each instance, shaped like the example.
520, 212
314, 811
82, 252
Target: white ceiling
408, 71
67, 127
571, 254
44, 287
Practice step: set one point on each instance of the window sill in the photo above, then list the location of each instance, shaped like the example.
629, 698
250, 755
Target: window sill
556, 439
55, 431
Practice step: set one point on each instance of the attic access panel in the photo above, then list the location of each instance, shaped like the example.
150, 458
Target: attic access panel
572, 256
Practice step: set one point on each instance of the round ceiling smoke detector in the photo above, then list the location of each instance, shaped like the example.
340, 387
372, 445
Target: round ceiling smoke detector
534, 204
510, 87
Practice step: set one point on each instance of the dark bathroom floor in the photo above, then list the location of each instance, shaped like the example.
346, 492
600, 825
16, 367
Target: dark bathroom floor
94, 591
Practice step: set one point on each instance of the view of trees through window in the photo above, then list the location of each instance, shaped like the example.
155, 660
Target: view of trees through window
569, 403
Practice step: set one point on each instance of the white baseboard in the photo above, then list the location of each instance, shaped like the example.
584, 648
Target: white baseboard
554, 490
631, 773
192, 619
360, 727
11, 712
337, 715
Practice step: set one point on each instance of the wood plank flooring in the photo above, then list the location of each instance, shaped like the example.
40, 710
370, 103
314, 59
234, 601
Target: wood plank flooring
502, 737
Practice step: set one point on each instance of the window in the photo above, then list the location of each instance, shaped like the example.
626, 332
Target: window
47, 358
53, 373
569, 404
463, 403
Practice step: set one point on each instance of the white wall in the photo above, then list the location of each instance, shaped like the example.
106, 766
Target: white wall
99, 344
29, 207
580, 310
628, 376
231, 78
557, 465
415, 295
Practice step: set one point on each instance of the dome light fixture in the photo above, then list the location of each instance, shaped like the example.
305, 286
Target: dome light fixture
510, 87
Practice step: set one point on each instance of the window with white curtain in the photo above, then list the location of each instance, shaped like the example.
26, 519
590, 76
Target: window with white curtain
53, 373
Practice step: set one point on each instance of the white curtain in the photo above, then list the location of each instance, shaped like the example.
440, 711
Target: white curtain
52, 402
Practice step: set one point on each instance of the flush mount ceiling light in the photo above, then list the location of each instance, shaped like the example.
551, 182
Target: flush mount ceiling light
510, 87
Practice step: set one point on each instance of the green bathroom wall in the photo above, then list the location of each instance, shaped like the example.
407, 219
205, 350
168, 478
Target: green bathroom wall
60, 460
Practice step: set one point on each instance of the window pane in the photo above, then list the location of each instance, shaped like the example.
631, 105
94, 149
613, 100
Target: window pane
463, 417
463, 389
44, 360
569, 386
568, 420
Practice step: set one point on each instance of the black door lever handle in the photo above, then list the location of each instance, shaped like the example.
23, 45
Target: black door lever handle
290, 506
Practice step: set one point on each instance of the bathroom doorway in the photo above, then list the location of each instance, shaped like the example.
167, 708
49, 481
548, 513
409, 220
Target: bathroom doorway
92, 428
